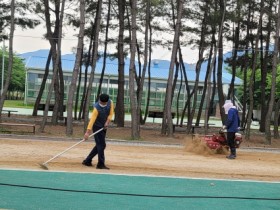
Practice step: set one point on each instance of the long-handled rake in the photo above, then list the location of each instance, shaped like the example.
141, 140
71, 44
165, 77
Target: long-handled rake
44, 165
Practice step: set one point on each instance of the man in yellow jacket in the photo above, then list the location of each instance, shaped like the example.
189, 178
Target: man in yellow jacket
102, 114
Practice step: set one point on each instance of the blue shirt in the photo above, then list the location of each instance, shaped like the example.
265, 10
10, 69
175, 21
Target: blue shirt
233, 121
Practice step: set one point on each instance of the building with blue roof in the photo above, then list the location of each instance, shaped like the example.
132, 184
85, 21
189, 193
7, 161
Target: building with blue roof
35, 63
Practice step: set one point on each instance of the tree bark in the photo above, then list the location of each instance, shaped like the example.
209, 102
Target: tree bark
105, 50
72, 89
11, 57
119, 110
220, 74
209, 83
252, 80
149, 74
135, 126
276, 122
43, 85
87, 64
94, 60
273, 81
56, 65
58, 77
167, 122
146, 50
264, 70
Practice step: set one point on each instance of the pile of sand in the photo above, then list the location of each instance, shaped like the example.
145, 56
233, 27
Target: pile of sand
198, 146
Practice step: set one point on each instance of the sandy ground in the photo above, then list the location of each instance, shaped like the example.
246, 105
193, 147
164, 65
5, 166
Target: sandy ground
154, 154
180, 160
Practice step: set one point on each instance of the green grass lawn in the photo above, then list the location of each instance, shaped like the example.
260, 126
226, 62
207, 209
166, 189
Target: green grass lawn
17, 104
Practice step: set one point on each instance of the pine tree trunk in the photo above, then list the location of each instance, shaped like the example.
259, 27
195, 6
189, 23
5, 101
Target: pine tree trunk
88, 59
72, 89
11, 57
105, 50
146, 49
94, 60
135, 127
273, 81
276, 120
43, 85
264, 71
252, 80
167, 122
56, 64
211, 69
119, 110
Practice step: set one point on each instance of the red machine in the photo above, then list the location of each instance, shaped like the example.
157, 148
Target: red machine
219, 141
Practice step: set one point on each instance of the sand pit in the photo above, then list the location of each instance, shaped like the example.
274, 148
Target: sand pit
158, 160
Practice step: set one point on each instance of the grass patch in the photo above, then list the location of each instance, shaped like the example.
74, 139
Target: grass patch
17, 104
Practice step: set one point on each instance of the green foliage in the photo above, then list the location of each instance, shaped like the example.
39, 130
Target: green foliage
268, 79
257, 85
17, 82
23, 13
18, 77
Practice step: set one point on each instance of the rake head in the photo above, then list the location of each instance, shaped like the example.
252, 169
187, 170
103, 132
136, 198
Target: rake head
43, 166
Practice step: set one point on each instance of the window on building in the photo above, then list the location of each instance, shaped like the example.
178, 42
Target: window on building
32, 77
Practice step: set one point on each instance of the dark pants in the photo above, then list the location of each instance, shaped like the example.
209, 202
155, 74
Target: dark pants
99, 148
231, 143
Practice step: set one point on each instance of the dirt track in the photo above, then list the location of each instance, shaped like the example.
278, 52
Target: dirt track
139, 159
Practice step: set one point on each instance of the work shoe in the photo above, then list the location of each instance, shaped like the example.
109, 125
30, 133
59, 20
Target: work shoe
102, 167
231, 156
86, 163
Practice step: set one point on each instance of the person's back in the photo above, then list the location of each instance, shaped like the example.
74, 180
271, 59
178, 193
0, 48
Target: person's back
232, 120
232, 125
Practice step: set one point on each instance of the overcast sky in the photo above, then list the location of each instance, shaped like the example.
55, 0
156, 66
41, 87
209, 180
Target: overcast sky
31, 40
